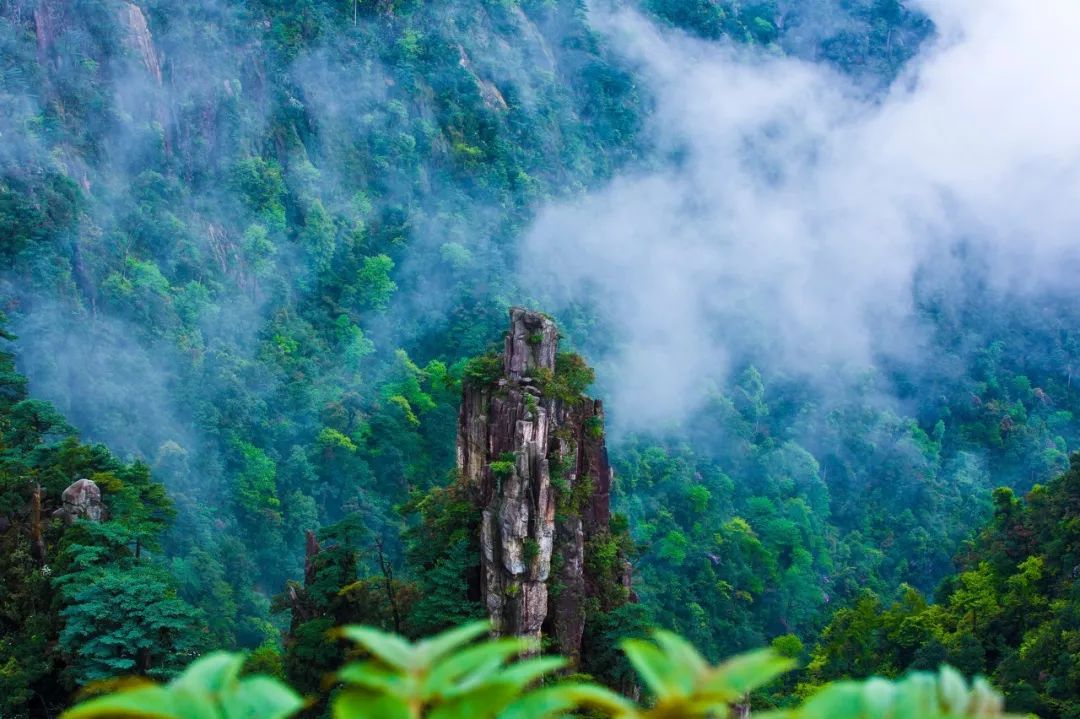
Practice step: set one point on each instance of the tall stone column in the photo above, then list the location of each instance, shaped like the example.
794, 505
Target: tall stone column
533, 448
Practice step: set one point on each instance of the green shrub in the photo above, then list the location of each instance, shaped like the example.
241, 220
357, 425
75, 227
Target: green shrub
562, 489
530, 550
594, 427
581, 494
503, 467
483, 370
451, 676
569, 380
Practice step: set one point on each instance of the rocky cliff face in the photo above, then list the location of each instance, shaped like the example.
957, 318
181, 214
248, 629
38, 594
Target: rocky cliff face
139, 39
532, 448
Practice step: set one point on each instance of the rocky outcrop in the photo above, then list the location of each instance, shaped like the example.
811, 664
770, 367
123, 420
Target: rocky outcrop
44, 29
81, 500
532, 448
139, 39
493, 99
147, 104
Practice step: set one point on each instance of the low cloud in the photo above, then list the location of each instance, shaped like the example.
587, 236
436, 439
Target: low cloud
791, 214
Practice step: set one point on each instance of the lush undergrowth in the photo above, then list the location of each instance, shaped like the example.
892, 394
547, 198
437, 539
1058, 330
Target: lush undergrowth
448, 677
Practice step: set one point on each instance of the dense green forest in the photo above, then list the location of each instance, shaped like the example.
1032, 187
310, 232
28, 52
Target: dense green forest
1011, 613
253, 252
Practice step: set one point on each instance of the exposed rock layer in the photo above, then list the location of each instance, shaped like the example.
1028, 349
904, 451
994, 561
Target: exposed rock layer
539, 465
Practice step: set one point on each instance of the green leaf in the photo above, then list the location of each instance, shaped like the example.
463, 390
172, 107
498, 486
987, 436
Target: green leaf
211, 674
984, 701
742, 674
472, 665
953, 691
261, 697
357, 704
391, 648
431, 650
661, 675
145, 701
842, 699
193, 704
523, 673
681, 653
916, 697
878, 696
483, 701
561, 698
539, 705
375, 676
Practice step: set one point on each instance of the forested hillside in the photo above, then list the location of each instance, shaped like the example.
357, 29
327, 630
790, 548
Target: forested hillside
1010, 614
84, 597
253, 251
